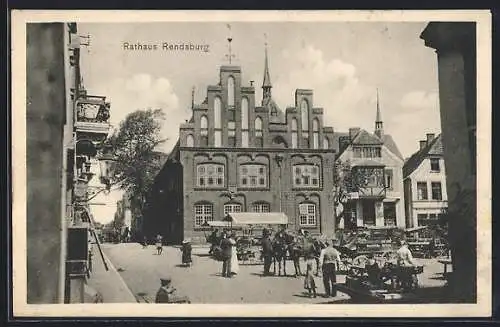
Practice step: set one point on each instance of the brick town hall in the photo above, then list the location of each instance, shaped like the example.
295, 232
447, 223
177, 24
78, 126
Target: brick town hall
235, 155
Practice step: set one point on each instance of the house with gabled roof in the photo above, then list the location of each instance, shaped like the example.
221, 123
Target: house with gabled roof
424, 179
374, 157
238, 154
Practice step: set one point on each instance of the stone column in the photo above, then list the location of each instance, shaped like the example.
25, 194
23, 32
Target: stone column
455, 47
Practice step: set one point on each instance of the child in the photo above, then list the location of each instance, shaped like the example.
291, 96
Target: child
159, 244
309, 283
186, 253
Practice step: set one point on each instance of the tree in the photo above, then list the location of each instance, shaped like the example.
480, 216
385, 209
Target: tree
348, 180
133, 146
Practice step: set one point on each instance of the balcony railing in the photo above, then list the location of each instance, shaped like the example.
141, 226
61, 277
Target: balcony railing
92, 114
371, 192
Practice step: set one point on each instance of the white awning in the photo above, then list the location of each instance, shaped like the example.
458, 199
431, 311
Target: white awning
219, 223
259, 218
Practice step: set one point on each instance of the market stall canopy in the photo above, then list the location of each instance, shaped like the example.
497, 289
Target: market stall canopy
259, 218
218, 223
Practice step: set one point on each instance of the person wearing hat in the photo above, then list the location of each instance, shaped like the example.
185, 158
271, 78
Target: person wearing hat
186, 249
267, 251
167, 293
227, 248
330, 261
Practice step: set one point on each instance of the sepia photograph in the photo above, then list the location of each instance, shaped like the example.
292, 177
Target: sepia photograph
256, 163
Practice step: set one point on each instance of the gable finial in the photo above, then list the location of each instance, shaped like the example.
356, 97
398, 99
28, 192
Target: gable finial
229, 56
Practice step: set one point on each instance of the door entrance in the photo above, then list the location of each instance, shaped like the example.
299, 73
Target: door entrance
368, 213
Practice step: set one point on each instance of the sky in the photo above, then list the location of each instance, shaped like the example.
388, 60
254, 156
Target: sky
344, 63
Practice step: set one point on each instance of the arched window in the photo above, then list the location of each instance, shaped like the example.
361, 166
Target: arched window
294, 124
304, 111
261, 207
326, 143
307, 214
253, 175
217, 112
203, 212
259, 141
204, 130
210, 175
217, 122
258, 126
295, 136
244, 113
204, 124
315, 133
306, 175
230, 91
231, 207
190, 141
244, 122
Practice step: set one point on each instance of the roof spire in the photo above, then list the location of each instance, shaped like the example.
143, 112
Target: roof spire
379, 125
379, 116
266, 84
192, 98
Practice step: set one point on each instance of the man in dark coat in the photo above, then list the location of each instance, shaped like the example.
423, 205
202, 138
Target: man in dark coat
212, 239
168, 294
267, 251
226, 248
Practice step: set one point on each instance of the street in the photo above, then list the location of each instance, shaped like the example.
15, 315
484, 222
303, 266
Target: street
141, 270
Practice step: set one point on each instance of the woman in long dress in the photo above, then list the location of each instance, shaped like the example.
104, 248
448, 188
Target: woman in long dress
235, 268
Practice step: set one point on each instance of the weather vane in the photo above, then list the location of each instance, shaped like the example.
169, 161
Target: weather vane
229, 56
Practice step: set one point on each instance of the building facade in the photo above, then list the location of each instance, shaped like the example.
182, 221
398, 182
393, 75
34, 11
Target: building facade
424, 178
235, 155
64, 126
377, 171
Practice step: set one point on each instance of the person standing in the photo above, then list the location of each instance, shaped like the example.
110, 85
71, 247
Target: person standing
329, 260
406, 264
267, 251
226, 248
186, 252
144, 242
235, 267
212, 239
159, 244
309, 283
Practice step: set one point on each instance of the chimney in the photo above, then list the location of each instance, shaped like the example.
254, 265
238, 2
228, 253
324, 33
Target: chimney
353, 132
430, 137
423, 144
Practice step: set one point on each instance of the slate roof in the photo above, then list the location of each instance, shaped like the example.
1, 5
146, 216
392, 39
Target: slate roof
365, 138
391, 145
272, 107
434, 148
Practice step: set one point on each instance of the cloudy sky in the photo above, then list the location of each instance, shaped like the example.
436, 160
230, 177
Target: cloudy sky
344, 63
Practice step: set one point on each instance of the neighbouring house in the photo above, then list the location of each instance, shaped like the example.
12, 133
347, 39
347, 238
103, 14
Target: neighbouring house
424, 178
378, 200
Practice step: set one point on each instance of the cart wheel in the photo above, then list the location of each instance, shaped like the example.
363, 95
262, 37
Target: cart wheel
360, 260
